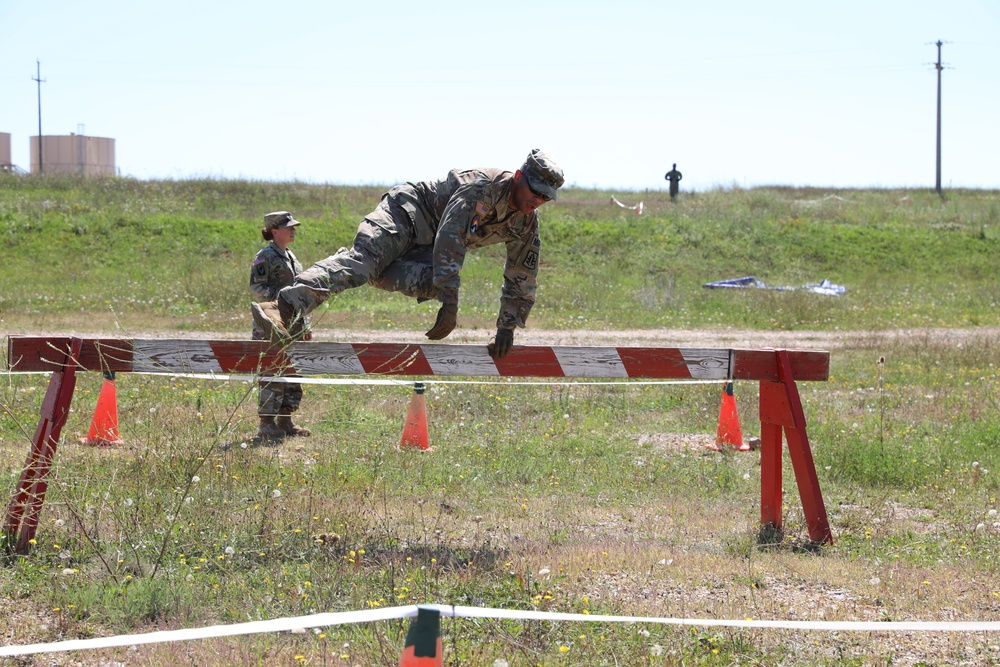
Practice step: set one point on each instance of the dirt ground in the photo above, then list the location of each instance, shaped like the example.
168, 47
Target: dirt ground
715, 338
703, 338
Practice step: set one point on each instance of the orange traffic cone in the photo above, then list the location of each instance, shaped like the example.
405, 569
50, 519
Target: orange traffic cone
415, 428
729, 432
104, 425
423, 641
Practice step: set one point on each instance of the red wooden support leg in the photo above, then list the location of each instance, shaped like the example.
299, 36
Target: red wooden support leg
808, 483
801, 455
22, 514
772, 418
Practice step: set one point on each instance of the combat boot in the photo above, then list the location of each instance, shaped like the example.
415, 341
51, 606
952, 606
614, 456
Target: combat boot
269, 431
267, 316
284, 422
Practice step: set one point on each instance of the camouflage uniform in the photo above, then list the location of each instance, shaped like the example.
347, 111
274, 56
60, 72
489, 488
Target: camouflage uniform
415, 242
272, 269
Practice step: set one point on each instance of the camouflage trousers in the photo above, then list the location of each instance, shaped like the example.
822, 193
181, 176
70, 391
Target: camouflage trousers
384, 255
277, 395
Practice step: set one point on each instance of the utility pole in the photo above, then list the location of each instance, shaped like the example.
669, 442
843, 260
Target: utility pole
40, 80
937, 182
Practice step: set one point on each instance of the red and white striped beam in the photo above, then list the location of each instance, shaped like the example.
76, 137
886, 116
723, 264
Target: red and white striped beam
176, 355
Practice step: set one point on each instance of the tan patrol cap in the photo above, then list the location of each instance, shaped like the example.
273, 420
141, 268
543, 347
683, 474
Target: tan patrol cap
280, 219
542, 172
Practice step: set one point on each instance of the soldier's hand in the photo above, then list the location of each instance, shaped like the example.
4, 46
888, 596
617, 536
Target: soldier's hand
502, 343
447, 320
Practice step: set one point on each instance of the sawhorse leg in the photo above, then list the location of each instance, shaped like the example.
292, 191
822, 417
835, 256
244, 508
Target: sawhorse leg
22, 514
781, 407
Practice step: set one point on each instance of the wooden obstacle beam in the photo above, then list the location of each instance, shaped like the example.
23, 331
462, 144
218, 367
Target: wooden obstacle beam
776, 370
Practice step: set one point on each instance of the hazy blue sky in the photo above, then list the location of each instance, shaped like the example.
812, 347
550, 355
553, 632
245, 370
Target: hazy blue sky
797, 93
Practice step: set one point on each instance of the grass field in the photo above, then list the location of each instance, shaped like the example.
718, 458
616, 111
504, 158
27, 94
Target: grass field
579, 498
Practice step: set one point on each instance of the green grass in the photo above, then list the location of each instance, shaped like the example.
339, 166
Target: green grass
177, 253
564, 498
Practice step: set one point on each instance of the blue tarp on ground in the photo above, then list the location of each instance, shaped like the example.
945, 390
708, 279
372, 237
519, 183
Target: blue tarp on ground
749, 282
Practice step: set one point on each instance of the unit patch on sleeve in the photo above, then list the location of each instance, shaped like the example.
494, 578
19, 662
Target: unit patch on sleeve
531, 260
260, 268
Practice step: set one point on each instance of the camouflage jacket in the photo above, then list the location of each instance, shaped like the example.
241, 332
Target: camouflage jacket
272, 269
468, 210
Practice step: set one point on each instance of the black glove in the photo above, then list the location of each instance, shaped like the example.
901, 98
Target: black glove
447, 320
502, 343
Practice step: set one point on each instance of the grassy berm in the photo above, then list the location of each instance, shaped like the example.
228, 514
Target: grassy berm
561, 497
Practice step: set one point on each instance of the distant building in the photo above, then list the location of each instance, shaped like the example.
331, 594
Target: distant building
5, 162
75, 154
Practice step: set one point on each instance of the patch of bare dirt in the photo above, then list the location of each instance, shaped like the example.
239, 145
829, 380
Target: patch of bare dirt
704, 338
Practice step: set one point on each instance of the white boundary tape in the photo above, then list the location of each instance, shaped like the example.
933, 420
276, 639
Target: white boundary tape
406, 383
300, 623
401, 383
637, 209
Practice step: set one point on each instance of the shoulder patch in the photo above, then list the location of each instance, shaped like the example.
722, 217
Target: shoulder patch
474, 224
260, 266
531, 260
481, 209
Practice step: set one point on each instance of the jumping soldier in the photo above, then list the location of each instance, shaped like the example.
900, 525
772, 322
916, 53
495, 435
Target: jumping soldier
415, 242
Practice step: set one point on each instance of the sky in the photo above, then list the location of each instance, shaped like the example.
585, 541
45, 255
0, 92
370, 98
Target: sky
736, 93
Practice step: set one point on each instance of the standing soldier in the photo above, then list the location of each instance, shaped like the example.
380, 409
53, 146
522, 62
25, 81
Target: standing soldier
415, 242
674, 177
275, 267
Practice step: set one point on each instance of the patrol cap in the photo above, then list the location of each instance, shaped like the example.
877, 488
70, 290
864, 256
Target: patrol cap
542, 172
280, 219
